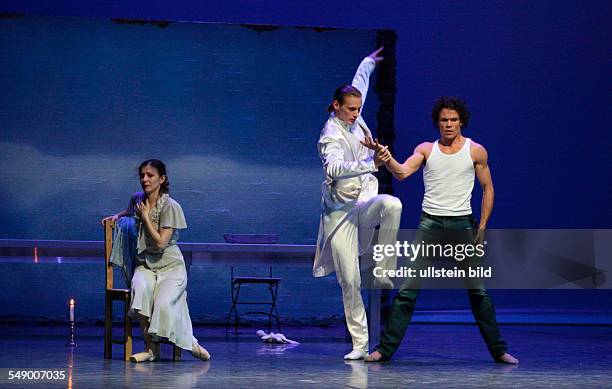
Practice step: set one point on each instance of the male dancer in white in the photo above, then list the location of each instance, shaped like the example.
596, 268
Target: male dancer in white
351, 205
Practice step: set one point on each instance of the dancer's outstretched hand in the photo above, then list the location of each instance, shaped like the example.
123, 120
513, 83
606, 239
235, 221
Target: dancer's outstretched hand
372, 144
382, 156
374, 55
369, 143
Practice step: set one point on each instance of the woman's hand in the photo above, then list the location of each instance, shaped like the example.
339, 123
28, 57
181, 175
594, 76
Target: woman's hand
111, 218
143, 208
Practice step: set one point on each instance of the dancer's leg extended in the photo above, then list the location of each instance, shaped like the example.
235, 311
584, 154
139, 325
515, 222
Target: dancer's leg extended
384, 211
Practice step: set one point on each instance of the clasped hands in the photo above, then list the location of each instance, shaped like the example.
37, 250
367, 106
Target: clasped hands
382, 155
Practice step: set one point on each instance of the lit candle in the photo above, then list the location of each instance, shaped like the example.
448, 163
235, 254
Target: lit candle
71, 309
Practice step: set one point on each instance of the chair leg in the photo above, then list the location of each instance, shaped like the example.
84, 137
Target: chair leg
234, 310
229, 316
273, 308
236, 315
176, 353
277, 318
108, 328
127, 320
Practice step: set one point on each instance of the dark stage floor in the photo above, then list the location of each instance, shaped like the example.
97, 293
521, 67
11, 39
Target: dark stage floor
431, 355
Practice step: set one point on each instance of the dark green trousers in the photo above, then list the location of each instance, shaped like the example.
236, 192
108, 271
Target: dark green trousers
403, 305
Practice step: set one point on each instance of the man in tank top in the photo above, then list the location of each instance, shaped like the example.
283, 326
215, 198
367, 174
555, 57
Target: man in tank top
449, 166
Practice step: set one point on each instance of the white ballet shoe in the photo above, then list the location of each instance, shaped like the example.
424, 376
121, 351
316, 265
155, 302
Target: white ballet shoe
200, 352
355, 355
145, 356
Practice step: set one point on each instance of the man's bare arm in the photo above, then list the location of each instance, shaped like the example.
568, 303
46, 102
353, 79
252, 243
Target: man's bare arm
409, 167
483, 174
400, 171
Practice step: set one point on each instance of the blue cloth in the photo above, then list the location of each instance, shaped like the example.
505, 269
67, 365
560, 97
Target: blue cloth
124, 247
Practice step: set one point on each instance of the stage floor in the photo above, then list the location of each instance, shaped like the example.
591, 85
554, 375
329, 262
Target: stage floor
431, 355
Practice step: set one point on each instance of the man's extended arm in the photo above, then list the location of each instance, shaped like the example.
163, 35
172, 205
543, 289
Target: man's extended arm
400, 171
361, 80
410, 165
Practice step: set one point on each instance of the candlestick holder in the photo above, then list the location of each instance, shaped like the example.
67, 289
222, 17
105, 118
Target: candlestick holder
71, 342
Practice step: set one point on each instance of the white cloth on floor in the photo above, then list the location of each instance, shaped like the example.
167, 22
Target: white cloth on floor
274, 338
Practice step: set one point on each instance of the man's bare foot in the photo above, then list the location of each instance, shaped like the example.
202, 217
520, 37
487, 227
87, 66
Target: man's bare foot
383, 283
507, 359
374, 357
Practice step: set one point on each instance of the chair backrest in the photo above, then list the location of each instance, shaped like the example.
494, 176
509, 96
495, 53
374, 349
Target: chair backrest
251, 238
108, 248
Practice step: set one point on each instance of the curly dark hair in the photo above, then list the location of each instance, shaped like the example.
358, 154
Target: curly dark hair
454, 103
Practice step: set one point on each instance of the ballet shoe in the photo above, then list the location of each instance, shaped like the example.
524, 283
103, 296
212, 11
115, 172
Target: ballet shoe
355, 355
200, 352
145, 356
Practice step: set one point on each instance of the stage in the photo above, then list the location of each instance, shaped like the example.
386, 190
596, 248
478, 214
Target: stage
233, 98
433, 355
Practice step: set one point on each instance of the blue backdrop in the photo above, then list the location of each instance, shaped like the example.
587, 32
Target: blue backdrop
234, 111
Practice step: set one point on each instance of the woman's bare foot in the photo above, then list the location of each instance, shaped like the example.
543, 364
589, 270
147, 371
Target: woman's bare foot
507, 359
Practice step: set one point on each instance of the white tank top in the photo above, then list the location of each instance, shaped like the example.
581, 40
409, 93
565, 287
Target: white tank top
449, 181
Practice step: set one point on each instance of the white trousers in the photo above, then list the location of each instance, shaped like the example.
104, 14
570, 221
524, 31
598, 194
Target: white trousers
161, 296
383, 210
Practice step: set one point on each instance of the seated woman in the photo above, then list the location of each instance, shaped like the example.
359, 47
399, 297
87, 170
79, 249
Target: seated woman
159, 284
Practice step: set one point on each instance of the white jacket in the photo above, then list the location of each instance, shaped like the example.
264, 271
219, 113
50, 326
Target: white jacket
347, 166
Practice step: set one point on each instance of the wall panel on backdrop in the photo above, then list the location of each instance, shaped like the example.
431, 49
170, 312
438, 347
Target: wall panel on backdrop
234, 111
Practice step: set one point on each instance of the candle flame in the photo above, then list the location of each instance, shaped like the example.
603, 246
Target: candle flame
71, 301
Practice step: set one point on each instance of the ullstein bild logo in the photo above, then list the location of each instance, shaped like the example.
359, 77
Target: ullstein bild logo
432, 272
413, 251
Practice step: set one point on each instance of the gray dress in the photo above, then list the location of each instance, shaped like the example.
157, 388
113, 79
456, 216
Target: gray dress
159, 284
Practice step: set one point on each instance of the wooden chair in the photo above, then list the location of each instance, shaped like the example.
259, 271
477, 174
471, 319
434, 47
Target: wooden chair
112, 294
